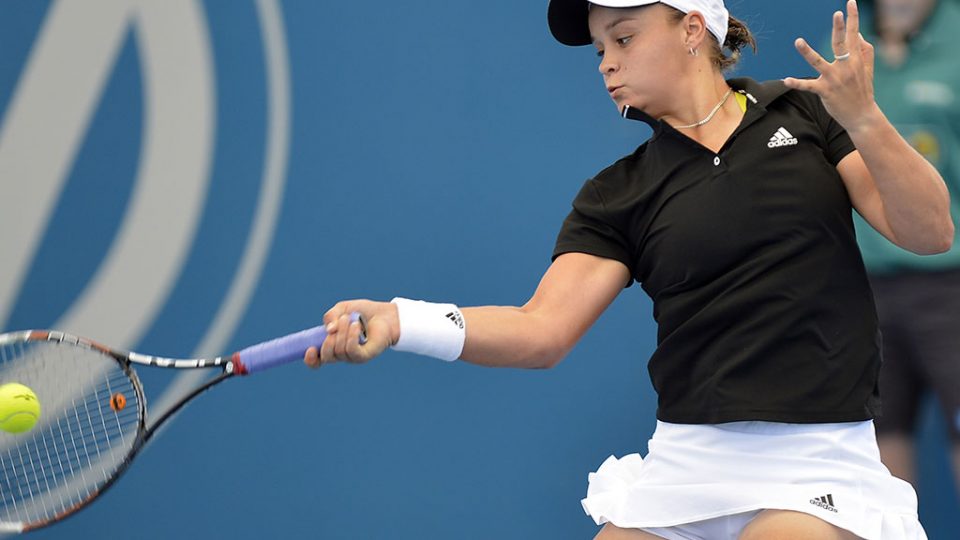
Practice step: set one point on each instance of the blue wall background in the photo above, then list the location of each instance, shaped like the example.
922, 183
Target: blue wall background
435, 147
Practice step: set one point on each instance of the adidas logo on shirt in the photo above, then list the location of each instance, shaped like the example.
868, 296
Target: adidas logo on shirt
825, 502
782, 138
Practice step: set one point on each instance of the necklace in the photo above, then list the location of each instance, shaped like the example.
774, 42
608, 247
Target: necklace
712, 113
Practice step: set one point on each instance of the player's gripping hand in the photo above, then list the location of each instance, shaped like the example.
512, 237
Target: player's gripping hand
343, 337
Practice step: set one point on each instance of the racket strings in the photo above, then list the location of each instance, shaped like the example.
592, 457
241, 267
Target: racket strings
82, 437
66, 443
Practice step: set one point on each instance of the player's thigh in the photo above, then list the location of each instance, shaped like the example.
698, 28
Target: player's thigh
786, 525
612, 532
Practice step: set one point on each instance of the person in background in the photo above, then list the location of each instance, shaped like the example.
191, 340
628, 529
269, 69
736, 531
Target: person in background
917, 84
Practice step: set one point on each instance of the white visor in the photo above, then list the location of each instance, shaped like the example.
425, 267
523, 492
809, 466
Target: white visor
568, 18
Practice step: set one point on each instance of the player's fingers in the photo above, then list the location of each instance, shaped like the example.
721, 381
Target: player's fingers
312, 357
326, 350
338, 310
853, 23
341, 337
811, 56
807, 85
331, 319
839, 38
331, 315
866, 49
355, 351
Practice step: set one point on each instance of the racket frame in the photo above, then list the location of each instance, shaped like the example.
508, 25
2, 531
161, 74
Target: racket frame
126, 361
228, 365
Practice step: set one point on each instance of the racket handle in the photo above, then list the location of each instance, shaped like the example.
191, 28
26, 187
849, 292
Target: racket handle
284, 350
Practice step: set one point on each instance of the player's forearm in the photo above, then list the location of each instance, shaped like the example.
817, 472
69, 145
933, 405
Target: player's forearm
500, 336
915, 198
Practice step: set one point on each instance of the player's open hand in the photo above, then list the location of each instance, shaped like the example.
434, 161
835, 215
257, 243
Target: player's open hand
846, 84
343, 336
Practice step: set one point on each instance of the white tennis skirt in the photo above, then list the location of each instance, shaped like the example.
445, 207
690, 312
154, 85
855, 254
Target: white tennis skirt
701, 472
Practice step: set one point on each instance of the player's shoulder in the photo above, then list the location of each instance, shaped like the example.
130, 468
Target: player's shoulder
628, 166
628, 162
776, 95
767, 93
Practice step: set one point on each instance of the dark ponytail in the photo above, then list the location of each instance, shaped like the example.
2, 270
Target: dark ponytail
738, 36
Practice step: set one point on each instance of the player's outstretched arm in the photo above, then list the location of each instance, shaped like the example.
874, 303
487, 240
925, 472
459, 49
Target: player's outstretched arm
572, 294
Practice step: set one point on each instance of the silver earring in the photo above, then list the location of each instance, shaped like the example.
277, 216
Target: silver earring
694, 52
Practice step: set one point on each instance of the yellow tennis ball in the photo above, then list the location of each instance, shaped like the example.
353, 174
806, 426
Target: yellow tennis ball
19, 408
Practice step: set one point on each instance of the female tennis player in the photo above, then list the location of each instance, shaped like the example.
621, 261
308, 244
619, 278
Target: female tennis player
736, 218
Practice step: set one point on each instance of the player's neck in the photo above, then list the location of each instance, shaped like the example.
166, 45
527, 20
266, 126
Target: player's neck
704, 99
709, 114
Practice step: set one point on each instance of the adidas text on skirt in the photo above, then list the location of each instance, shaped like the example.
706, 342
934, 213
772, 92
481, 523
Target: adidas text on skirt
699, 472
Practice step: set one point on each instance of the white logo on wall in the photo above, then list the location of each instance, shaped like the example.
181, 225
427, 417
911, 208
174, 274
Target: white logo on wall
46, 123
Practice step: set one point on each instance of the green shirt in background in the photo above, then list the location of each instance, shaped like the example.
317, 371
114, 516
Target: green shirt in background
922, 100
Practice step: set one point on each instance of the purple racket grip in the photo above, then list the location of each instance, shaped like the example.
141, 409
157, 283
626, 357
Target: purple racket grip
283, 350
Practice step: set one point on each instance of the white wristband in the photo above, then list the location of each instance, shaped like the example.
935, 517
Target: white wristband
436, 330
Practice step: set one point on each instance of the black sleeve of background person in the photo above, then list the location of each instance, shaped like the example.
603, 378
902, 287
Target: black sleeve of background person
590, 229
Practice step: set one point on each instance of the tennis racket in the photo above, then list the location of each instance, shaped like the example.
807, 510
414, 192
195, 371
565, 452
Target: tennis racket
93, 418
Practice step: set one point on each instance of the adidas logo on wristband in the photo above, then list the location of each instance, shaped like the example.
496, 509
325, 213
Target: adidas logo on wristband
457, 318
425, 329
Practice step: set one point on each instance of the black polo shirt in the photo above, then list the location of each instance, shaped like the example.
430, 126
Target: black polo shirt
762, 302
